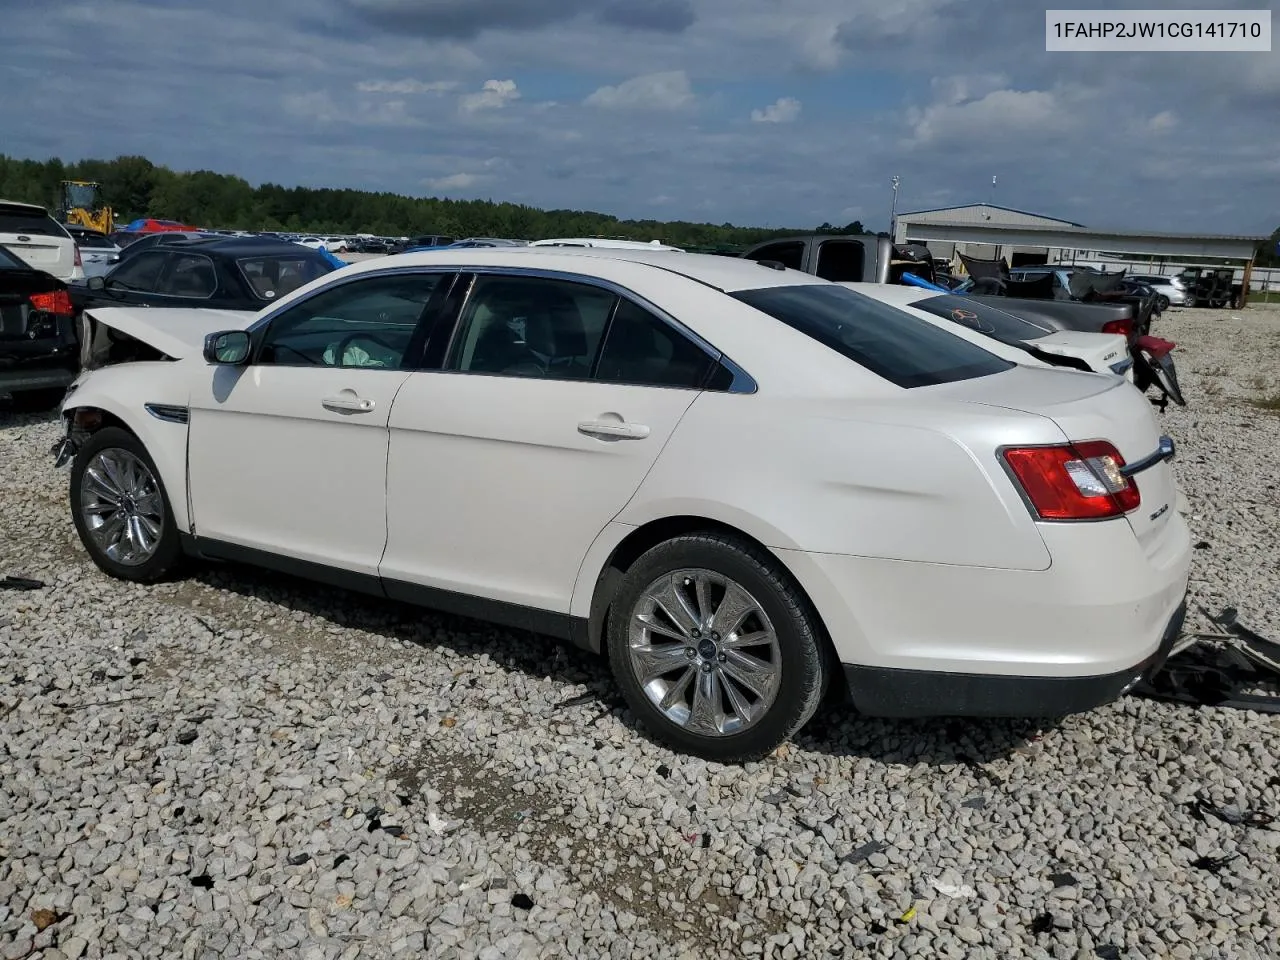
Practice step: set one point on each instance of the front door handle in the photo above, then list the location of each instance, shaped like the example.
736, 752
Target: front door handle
348, 404
613, 430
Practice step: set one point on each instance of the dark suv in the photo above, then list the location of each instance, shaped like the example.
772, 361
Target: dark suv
38, 353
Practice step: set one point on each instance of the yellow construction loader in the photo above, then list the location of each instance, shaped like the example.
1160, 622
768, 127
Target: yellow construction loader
80, 206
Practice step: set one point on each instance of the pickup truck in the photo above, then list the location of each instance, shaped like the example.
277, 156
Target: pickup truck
869, 259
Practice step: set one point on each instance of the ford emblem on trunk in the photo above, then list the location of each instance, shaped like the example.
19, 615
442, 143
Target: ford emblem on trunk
22, 239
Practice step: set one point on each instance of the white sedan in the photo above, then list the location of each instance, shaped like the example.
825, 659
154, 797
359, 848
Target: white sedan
744, 486
1097, 352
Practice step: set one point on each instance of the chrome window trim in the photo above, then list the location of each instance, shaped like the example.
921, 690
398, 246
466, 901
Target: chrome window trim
281, 308
742, 381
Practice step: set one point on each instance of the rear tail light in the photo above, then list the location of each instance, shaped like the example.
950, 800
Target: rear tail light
1123, 327
79, 259
58, 302
1074, 481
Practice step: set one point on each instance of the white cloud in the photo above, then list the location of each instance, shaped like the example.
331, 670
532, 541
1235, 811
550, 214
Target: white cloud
1162, 122
494, 95
669, 90
455, 181
782, 110
406, 86
315, 105
998, 112
964, 87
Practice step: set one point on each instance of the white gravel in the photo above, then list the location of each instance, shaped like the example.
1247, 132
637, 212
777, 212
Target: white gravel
242, 765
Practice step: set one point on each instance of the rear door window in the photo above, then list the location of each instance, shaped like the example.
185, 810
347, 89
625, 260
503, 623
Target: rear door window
840, 261
642, 349
190, 275
891, 343
139, 273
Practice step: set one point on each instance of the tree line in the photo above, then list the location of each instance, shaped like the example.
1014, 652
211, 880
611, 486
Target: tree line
135, 187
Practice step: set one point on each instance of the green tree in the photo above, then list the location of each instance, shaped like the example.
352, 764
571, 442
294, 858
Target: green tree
136, 187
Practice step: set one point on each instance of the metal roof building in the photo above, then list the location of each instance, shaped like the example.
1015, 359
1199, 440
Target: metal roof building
988, 231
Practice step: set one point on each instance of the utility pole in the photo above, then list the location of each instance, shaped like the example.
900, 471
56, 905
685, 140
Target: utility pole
893, 212
993, 191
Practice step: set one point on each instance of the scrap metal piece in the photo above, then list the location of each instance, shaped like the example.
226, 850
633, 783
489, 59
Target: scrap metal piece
1220, 671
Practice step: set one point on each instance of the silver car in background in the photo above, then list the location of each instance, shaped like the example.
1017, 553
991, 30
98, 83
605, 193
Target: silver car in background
1172, 289
98, 252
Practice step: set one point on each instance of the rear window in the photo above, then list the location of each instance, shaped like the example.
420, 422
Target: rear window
272, 277
32, 224
94, 241
983, 318
889, 342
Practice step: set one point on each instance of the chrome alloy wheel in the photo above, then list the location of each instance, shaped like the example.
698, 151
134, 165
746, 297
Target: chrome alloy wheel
704, 652
121, 506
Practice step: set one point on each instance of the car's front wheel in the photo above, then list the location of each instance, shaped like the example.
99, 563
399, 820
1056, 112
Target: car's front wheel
121, 510
716, 649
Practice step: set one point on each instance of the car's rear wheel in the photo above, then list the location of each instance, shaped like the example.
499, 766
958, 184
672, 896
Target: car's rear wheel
716, 649
121, 510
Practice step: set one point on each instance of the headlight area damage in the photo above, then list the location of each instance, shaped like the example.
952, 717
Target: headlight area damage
114, 336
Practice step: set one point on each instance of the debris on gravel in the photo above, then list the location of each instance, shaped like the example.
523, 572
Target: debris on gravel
242, 765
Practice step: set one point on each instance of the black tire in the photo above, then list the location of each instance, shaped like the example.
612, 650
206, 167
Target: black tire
168, 551
1162, 303
804, 665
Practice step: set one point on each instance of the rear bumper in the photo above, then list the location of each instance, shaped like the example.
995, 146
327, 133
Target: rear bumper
32, 377
887, 692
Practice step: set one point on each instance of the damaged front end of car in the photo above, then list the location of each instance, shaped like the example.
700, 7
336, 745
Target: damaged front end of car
107, 338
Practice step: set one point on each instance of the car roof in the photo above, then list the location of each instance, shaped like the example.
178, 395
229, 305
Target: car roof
727, 274
243, 246
603, 243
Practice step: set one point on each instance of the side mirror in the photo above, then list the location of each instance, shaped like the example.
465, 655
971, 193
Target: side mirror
230, 347
114, 258
96, 283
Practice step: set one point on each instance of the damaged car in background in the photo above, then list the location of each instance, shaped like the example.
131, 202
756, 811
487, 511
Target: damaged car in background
736, 483
1106, 353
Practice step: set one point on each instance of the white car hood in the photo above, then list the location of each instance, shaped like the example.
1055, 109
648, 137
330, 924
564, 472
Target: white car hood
175, 332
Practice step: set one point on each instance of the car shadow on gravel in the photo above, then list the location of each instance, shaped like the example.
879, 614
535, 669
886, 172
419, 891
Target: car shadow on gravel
836, 730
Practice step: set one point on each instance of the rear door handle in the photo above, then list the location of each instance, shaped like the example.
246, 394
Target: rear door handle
613, 430
348, 404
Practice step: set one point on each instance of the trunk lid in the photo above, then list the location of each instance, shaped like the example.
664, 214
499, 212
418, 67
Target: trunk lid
38, 251
1099, 350
1087, 406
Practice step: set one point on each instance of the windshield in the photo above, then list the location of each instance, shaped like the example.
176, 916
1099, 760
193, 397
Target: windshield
271, 277
9, 262
992, 321
891, 343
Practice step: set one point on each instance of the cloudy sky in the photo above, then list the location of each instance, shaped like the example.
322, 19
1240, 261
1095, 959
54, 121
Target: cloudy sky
749, 111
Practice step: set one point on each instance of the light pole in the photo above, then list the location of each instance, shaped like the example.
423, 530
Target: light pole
893, 212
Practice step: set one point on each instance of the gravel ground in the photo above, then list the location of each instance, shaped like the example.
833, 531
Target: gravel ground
243, 765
